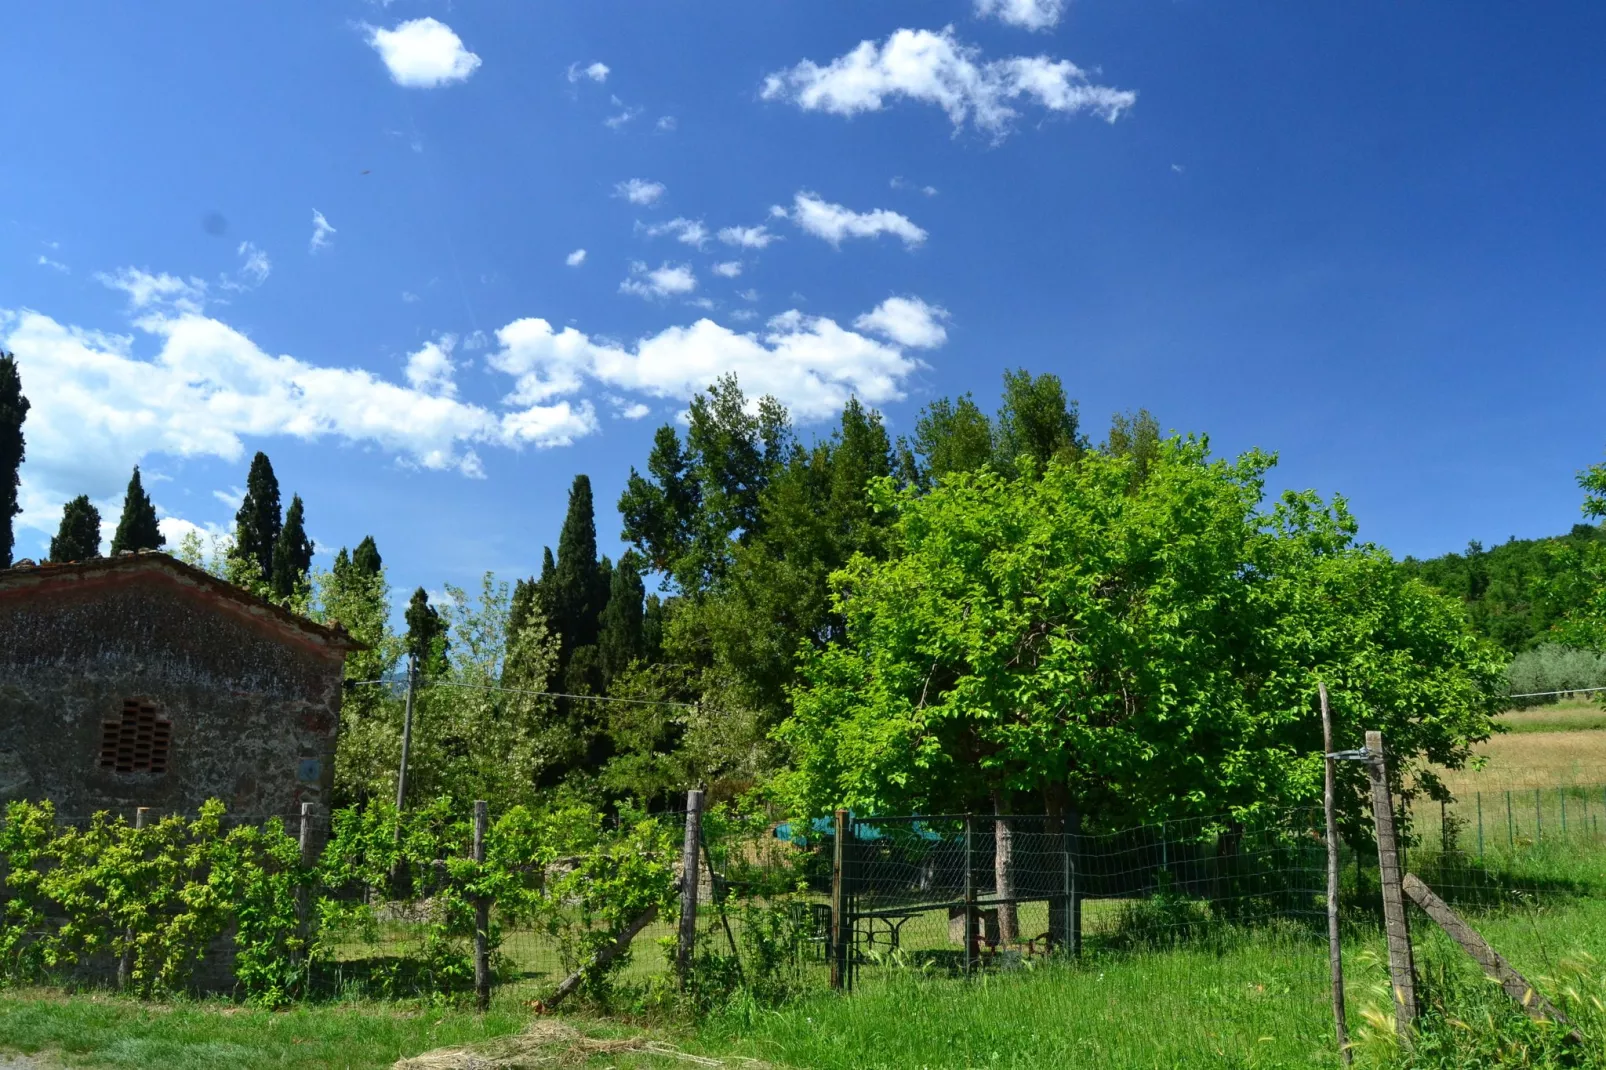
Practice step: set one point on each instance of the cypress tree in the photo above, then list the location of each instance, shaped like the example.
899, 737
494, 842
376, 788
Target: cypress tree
425, 634
292, 551
578, 587
622, 640
78, 538
256, 525
13, 447
137, 530
366, 557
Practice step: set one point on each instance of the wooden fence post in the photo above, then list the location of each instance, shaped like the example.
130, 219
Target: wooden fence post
688, 884
841, 929
1335, 951
303, 891
482, 917
970, 897
1402, 968
125, 962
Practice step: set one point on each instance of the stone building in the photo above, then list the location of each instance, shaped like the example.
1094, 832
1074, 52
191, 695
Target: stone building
140, 681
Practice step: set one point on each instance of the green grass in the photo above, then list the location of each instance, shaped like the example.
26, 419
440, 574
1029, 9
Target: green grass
1568, 715
106, 1031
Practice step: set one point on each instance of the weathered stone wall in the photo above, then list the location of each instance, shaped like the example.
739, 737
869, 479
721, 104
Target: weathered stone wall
254, 705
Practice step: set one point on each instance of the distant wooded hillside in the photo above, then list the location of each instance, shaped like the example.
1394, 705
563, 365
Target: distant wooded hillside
1515, 591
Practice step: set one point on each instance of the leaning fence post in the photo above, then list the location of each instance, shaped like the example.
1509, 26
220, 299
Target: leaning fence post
482, 916
687, 943
841, 933
1335, 953
1402, 968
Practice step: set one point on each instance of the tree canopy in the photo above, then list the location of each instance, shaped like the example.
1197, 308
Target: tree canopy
1134, 649
257, 524
78, 537
137, 529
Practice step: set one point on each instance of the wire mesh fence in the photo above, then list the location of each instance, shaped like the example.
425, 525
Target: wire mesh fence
787, 906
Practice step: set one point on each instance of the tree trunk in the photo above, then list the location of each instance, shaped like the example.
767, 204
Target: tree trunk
1004, 870
1061, 826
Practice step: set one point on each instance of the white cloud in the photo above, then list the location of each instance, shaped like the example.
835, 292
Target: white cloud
234, 497
255, 267
936, 68
743, 315
665, 124
576, 258
666, 280
728, 269
320, 232
1027, 14
628, 114
748, 295
476, 340
833, 222
597, 72
690, 231
810, 363
148, 291
639, 191
899, 182
98, 407
430, 368
423, 53
410, 297
907, 321
625, 409
747, 237
54, 265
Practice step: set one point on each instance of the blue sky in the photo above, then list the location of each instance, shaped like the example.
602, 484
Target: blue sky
1367, 236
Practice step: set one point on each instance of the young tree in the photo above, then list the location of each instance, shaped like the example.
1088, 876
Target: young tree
950, 437
137, 529
257, 524
370, 716
13, 449
1135, 435
78, 538
292, 552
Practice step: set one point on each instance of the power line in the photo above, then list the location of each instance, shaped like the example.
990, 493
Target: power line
1546, 694
538, 694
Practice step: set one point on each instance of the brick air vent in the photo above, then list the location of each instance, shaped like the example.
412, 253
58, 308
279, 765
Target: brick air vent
136, 742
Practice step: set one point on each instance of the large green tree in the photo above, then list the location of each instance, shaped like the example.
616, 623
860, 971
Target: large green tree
356, 595
257, 524
13, 449
1128, 650
621, 640
78, 537
292, 552
137, 529
366, 557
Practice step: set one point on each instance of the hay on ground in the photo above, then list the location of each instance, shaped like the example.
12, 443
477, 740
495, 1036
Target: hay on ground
551, 1043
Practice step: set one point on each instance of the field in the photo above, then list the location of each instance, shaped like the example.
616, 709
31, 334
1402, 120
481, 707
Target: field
1562, 745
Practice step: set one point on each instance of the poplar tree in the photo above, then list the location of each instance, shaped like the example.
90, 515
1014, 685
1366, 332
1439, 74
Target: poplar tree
257, 524
292, 551
137, 529
13, 411
78, 538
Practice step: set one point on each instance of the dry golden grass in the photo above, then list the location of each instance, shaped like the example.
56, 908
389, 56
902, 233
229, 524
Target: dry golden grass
1535, 760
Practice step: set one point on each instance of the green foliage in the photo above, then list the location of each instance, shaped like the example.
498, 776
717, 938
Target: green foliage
1518, 592
78, 537
1139, 650
13, 449
257, 524
292, 552
137, 529
355, 593
1551, 667
621, 640
950, 436
426, 635
1036, 420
